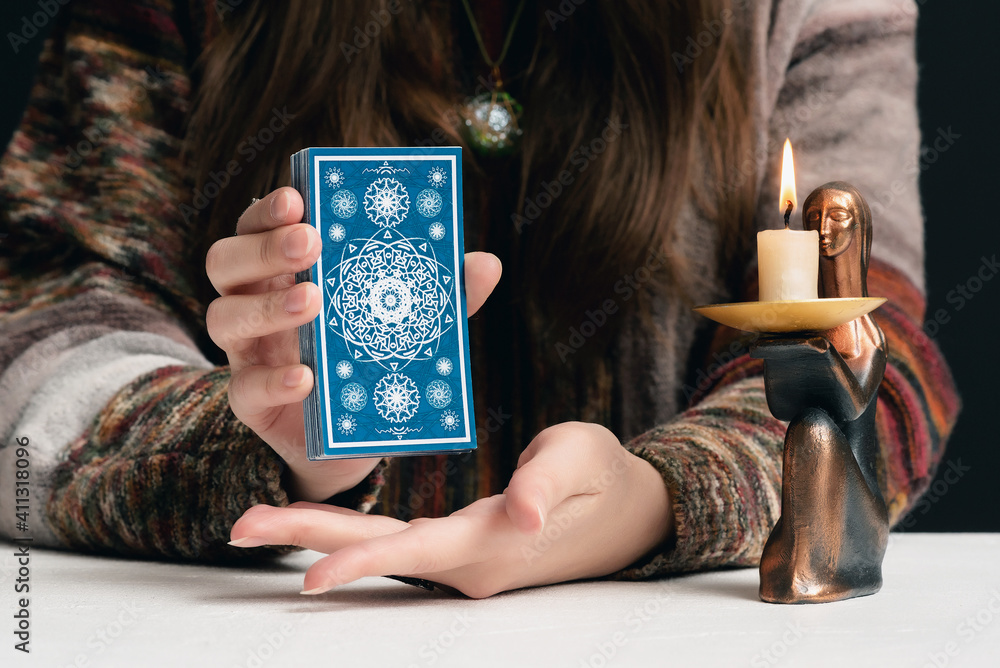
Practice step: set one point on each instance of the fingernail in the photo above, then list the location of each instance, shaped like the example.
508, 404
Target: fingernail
317, 590
280, 206
248, 541
294, 377
297, 244
297, 300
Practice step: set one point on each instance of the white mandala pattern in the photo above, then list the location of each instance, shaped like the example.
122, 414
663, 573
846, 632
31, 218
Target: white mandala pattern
335, 177
429, 203
387, 202
391, 301
396, 397
450, 420
344, 204
346, 424
438, 177
443, 366
438, 394
436, 231
337, 232
353, 397
344, 369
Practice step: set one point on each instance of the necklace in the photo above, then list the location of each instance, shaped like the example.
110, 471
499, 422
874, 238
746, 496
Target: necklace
490, 119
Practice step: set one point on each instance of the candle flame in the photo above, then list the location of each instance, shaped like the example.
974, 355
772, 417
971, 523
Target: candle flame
787, 179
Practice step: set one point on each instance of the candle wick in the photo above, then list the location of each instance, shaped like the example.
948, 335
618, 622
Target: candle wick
788, 212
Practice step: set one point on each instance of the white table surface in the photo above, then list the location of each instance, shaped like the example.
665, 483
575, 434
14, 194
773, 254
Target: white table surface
939, 606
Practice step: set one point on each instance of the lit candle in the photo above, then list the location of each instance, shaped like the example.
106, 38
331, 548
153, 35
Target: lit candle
787, 260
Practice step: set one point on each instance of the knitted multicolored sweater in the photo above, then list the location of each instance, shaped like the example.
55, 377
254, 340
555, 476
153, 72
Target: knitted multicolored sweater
133, 448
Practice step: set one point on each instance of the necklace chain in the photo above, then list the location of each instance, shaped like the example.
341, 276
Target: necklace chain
490, 120
494, 64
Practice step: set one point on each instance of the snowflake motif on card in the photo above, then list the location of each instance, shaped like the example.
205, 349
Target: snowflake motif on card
438, 394
344, 204
390, 300
443, 366
450, 420
436, 231
346, 424
438, 177
353, 397
387, 202
335, 177
396, 397
344, 369
429, 203
337, 232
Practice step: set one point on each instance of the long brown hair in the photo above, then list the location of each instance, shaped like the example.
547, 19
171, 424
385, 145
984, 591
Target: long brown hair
610, 63
670, 73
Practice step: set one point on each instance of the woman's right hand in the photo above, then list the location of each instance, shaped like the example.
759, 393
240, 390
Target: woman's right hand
256, 319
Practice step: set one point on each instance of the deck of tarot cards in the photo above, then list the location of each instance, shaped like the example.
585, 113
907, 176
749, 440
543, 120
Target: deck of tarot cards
390, 347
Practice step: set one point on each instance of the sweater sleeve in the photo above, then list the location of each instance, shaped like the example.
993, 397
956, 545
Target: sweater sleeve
847, 100
132, 446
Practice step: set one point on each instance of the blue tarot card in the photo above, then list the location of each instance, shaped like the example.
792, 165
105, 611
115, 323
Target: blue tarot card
390, 348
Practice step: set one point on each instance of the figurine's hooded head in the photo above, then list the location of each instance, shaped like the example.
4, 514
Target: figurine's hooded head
841, 216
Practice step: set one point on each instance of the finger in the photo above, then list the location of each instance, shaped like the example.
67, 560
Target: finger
236, 321
284, 206
255, 390
559, 463
482, 273
431, 547
233, 262
311, 528
327, 508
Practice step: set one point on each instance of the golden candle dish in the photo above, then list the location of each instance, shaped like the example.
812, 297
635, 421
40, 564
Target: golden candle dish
780, 317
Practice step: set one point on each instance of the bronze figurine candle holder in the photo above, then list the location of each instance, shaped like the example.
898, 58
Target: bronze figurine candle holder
823, 363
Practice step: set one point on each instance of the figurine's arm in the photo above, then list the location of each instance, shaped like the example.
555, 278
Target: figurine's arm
808, 372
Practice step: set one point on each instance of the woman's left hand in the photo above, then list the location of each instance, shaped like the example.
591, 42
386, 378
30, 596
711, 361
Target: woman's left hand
578, 506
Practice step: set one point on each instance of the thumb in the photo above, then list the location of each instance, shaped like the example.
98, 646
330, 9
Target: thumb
482, 273
551, 469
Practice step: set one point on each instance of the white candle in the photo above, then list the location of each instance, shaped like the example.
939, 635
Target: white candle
787, 264
787, 260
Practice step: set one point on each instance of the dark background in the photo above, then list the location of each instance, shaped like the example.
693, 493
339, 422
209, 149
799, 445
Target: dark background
959, 57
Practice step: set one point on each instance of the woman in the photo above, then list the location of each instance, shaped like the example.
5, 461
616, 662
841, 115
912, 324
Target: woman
647, 160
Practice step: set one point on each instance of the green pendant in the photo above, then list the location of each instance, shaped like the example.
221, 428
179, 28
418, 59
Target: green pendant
490, 123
